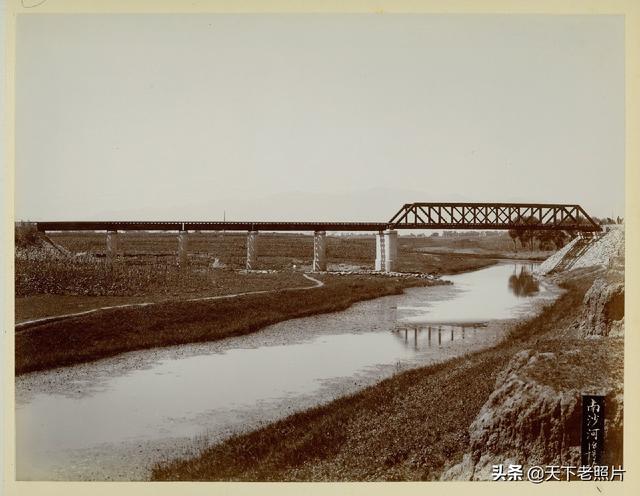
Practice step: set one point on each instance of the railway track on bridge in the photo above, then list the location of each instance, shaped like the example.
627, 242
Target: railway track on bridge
485, 216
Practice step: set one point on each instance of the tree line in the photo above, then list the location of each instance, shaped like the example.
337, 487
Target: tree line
547, 239
550, 239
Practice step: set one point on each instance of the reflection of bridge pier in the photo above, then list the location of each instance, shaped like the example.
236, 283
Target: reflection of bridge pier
446, 333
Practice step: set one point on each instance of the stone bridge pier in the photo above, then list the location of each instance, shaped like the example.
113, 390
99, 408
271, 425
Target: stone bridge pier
319, 251
183, 248
387, 251
252, 250
112, 245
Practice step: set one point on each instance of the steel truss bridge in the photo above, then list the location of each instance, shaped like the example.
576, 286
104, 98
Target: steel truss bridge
483, 216
519, 216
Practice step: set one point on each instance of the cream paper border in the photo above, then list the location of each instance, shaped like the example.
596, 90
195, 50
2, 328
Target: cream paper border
629, 8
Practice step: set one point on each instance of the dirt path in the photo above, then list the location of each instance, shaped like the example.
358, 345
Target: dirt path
28, 323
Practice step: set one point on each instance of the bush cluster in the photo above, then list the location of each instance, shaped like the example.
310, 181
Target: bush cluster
26, 234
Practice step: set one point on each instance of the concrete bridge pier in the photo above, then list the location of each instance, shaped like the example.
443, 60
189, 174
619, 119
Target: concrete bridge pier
319, 251
391, 250
252, 250
380, 251
183, 248
387, 251
112, 245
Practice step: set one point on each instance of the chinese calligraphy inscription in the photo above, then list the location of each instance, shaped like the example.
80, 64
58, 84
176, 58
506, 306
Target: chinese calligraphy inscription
592, 429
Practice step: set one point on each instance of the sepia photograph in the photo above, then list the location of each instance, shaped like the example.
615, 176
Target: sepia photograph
319, 247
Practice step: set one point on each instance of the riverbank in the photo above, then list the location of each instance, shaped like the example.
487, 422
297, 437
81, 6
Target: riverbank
109, 332
413, 426
533, 256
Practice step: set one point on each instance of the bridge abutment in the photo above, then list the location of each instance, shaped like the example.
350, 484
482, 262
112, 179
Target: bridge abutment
252, 250
183, 248
112, 245
319, 251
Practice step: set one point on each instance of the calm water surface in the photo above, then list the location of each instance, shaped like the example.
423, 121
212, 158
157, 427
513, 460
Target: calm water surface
112, 419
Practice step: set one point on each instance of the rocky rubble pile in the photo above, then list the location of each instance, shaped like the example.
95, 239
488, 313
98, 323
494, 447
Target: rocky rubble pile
41, 249
603, 250
401, 275
550, 263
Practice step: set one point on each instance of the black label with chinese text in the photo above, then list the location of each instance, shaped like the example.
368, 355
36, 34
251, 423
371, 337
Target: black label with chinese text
592, 429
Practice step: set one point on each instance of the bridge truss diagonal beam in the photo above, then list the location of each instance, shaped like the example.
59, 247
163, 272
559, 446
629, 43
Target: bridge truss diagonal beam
518, 216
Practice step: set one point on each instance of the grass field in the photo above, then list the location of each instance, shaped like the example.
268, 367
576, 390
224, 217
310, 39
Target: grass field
48, 282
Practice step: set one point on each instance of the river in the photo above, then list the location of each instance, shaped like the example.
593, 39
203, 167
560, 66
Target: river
114, 418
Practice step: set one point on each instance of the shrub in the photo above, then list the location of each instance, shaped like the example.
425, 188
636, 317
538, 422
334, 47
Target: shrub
26, 234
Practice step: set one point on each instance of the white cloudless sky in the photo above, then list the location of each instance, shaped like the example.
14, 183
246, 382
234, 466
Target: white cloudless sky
314, 117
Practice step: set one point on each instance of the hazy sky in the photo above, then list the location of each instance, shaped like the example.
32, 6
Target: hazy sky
314, 117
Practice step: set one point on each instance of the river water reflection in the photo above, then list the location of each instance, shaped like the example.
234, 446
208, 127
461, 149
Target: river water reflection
112, 419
